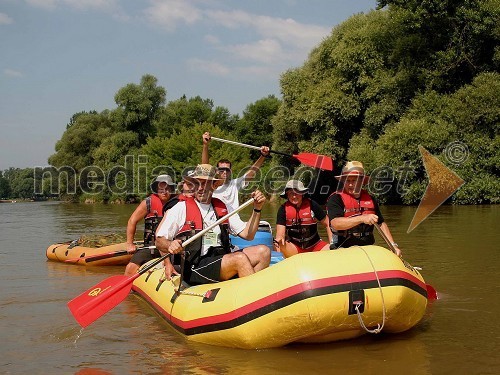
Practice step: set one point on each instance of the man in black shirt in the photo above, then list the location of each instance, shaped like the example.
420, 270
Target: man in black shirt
353, 212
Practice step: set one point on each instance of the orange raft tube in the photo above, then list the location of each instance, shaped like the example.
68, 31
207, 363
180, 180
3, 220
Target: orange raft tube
72, 253
314, 297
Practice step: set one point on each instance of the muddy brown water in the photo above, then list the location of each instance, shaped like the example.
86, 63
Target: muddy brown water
457, 247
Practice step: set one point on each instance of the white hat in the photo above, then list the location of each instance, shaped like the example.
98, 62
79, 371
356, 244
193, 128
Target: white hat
295, 185
161, 178
353, 168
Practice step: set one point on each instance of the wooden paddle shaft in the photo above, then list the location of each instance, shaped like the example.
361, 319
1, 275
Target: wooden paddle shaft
382, 234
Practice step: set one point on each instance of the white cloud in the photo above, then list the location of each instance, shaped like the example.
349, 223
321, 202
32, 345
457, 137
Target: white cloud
5, 19
46, 4
286, 30
212, 39
251, 71
212, 67
169, 13
12, 73
108, 6
265, 51
281, 41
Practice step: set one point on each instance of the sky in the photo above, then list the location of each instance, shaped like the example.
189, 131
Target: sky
61, 57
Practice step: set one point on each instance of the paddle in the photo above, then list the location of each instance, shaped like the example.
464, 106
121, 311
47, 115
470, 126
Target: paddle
111, 254
431, 292
312, 160
101, 298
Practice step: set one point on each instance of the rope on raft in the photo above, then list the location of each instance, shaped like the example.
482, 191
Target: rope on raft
360, 318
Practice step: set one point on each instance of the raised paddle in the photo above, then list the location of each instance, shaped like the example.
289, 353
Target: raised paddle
431, 292
111, 254
101, 298
312, 160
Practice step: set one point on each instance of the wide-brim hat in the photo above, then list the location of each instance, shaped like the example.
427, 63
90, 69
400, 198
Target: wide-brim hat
295, 185
203, 172
353, 168
162, 178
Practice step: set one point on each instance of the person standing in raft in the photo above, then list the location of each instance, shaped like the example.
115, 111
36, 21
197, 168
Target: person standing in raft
353, 211
151, 210
213, 258
296, 222
228, 190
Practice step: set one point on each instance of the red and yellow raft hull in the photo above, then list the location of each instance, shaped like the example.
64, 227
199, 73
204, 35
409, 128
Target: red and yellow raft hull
309, 297
69, 253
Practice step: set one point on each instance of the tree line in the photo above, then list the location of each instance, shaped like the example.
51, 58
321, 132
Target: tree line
409, 73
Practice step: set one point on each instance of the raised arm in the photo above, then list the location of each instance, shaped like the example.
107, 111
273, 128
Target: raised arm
204, 153
264, 153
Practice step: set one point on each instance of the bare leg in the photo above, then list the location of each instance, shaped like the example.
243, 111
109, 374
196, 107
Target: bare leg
259, 255
289, 249
326, 247
131, 269
235, 264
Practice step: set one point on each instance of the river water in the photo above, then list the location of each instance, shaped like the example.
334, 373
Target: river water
457, 247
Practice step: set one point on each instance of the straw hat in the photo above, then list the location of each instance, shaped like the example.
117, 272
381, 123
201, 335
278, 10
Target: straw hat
295, 185
161, 178
203, 172
353, 168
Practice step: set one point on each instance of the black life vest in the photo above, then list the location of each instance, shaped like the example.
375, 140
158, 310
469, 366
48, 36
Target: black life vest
301, 225
154, 214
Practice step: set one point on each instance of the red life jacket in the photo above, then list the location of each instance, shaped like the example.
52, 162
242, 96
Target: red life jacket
194, 224
301, 225
154, 214
363, 205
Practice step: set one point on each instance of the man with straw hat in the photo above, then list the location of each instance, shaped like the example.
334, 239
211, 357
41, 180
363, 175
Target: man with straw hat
213, 258
353, 212
297, 222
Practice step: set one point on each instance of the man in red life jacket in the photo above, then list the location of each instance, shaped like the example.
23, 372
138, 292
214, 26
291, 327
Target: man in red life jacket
296, 223
352, 211
212, 259
151, 210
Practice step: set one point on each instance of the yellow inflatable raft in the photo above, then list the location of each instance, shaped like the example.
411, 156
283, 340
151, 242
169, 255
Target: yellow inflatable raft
72, 253
312, 297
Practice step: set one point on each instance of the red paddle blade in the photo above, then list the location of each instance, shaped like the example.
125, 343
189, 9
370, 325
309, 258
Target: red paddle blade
98, 300
431, 292
315, 160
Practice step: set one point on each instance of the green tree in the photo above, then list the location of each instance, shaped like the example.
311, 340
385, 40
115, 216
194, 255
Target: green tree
183, 150
4, 187
77, 144
21, 182
256, 125
184, 112
139, 107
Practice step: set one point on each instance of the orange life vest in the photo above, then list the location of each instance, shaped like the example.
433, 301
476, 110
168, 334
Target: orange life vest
301, 225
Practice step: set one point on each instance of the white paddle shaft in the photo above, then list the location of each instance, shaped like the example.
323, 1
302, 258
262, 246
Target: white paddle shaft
235, 143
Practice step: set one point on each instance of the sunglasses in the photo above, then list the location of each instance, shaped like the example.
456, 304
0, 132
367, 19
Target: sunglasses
224, 169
